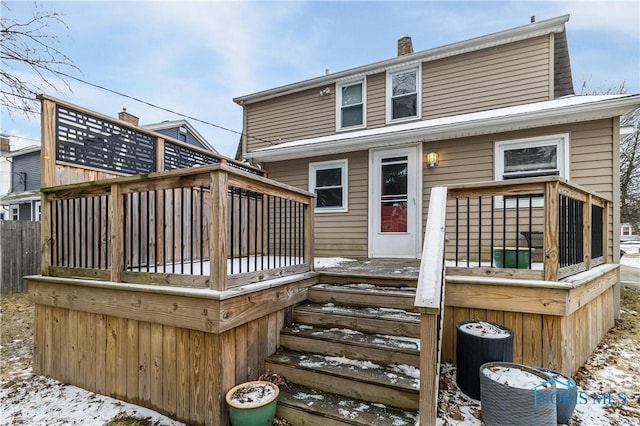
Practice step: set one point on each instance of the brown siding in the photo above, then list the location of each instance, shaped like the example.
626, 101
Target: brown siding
336, 234
512, 74
469, 160
300, 115
501, 76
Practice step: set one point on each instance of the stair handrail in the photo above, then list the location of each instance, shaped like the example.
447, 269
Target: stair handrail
428, 294
429, 302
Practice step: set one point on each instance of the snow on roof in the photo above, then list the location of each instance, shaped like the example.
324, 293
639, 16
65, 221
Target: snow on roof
536, 114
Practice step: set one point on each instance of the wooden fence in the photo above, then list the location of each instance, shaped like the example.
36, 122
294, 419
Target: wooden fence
19, 254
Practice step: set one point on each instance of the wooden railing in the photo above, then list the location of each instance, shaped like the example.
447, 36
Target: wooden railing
208, 226
479, 229
430, 303
82, 145
540, 228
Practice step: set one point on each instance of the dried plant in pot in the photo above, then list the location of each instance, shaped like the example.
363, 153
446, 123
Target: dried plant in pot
253, 403
516, 395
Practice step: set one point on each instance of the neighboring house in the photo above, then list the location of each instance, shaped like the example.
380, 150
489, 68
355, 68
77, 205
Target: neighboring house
23, 199
372, 141
626, 229
5, 174
183, 131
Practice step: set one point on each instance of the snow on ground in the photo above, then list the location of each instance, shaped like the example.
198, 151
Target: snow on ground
330, 262
36, 400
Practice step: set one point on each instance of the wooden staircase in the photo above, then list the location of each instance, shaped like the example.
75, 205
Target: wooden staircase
351, 357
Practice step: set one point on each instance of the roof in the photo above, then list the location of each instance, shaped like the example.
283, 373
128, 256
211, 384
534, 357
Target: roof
177, 123
569, 109
23, 151
19, 197
535, 29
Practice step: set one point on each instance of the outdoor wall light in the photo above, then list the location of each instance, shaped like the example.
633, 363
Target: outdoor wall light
325, 91
432, 159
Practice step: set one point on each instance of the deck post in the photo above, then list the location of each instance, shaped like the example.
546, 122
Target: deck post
45, 234
429, 371
218, 229
308, 233
116, 212
586, 231
551, 258
159, 155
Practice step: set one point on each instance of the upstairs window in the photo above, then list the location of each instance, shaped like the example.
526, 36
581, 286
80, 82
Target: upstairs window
351, 105
403, 94
328, 180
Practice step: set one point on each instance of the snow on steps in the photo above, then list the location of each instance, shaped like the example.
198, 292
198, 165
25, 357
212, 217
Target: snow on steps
352, 344
302, 405
357, 345
365, 380
383, 320
364, 294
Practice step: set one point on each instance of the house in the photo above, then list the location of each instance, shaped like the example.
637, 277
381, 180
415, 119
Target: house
182, 131
372, 141
170, 286
22, 200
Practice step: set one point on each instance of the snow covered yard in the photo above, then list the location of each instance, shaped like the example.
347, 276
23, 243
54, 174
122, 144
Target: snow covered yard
33, 400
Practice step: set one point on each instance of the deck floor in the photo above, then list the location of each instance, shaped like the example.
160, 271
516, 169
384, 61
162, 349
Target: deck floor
378, 267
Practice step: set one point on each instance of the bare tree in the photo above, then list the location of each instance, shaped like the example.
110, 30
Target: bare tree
629, 158
30, 63
630, 172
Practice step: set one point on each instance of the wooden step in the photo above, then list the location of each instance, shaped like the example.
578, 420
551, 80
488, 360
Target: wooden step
388, 385
305, 406
364, 294
381, 349
389, 321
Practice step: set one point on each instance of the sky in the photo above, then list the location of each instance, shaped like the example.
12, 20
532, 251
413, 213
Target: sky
195, 57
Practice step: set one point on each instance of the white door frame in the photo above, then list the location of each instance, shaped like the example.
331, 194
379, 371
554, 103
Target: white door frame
373, 210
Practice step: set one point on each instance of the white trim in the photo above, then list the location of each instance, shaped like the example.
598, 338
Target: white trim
14, 210
37, 211
343, 164
418, 203
389, 87
562, 143
363, 82
572, 109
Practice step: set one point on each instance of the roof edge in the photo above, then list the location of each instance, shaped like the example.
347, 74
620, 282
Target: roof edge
499, 124
535, 29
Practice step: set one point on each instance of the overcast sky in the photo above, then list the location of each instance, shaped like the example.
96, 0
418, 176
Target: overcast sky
194, 57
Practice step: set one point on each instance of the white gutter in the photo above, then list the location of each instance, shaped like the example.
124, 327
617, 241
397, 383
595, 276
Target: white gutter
457, 127
536, 29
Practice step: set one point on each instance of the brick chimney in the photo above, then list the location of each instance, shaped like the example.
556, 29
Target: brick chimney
129, 118
5, 145
405, 46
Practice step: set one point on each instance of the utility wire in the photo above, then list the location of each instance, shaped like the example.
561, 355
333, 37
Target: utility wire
163, 109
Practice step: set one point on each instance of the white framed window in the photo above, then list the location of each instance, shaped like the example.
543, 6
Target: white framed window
37, 211
328, 180
404, 92
532, 157
351, 105
15, 212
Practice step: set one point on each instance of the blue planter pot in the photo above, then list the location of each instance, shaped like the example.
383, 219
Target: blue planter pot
566, 394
